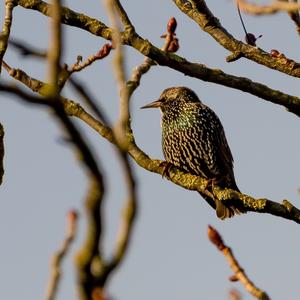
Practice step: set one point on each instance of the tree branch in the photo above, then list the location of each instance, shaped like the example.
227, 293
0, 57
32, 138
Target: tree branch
4, 36
58, 257
239, 273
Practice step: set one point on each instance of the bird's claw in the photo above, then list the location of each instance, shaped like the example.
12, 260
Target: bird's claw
166, 168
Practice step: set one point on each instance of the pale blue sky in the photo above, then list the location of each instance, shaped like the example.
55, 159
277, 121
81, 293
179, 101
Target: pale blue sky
170, 256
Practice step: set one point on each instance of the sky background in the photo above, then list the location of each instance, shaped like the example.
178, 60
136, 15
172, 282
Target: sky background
170, 256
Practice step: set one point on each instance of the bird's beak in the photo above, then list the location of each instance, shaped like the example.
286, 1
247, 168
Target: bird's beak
154, 104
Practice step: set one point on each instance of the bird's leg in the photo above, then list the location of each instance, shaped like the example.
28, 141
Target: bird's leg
211, 182
166, 168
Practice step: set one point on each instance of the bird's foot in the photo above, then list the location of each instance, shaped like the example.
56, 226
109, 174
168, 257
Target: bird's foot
211, 182
166, 168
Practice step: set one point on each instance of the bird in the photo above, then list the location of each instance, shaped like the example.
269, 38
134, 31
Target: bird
193, 140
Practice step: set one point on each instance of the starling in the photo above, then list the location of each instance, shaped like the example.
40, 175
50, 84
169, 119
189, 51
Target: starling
193, 139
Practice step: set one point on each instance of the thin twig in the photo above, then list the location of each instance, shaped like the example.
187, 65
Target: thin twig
58, 257
234, 294
79, 65
27, 50
120, 137
239, 273
2, 151
88, 99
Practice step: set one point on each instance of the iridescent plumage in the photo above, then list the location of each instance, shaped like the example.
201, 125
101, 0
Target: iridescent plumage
193, 140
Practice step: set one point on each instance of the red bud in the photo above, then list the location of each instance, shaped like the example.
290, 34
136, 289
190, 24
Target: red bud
172, 24
215, 238
275, 53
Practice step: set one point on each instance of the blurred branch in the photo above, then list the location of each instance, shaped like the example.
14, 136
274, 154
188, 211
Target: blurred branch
234, 294
89, 101
123, 15
27, 50
4, 36
274, 7
55, 49
51, 92
88, 258
120, 137
123, 124
1, 153
130, 207
59, 256
239, 273
294, 15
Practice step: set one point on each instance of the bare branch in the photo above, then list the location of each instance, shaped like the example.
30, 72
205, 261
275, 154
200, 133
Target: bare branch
79, 65
59, 256
238, 271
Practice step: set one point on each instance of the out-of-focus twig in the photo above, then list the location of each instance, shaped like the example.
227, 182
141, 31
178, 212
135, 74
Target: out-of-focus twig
234, 294
1, 153
123, 123
27, 50
294, 15
123, 15
130, 207
88, 99
4, 36
55, 48
238, 271
120, 136
58, 257
274, 7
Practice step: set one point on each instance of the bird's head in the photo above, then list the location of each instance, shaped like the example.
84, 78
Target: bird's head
173, 97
